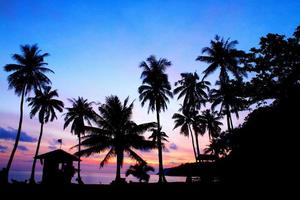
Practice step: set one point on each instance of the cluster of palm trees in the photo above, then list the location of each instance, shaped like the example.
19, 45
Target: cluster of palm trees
111, 128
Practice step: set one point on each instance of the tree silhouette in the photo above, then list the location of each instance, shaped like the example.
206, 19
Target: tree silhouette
193, 91
156, 90
185, 121
26, 75
140, 171
80, 112
45, 105
116, 133
211, 121
222, 54
228, 101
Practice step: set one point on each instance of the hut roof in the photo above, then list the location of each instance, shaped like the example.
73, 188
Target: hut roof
59, 155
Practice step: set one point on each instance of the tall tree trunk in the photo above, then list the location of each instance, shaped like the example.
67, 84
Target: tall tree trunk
79, 180
17, 137
193, 143
118, 173
230, 118
197, 145
36, 154
228, 121
162, 178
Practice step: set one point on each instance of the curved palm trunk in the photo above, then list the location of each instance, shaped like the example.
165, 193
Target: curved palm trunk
17, 137
36, 154
193, 143
162, 178
79, 180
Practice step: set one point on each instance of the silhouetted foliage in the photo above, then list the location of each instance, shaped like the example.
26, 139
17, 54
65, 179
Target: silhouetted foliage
45, 104
140, 171
156, 90
80, 112
26, 75
116, 133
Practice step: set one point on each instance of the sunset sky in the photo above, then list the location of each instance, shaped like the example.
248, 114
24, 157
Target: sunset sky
95, 49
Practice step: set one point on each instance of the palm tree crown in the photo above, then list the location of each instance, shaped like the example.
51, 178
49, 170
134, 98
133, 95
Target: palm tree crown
222, 54
45, 104
116, 133
192, 90
211, 121
156, 88
29, 72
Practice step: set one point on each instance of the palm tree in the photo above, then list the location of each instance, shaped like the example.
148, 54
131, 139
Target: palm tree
187, 121
154, 135
222, 54
45, 104
229, 102
140, 171
192, 91
156, 90
116, 133
80, 112
211, 121
27, 74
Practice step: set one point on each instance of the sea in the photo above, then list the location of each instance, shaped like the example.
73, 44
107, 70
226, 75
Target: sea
91, 177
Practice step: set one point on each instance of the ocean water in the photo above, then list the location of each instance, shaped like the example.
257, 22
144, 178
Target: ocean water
91, 177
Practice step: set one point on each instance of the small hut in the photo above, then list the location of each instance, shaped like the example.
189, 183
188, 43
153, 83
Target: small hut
57, 167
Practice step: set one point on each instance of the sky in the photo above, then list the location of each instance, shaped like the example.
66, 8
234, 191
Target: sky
95, 49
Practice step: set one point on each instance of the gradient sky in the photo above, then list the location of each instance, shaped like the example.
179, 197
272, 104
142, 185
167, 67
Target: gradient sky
96, 47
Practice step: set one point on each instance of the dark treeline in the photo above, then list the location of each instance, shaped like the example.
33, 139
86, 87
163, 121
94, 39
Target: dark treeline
264, 81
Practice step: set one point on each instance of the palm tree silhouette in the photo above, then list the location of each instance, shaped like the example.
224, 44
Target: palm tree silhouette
80, 112
222, 54
192, 91
211, 121
140, 171
154, 135
156, 90
117, 133
227, 99
27, 75
185, 121
44, 104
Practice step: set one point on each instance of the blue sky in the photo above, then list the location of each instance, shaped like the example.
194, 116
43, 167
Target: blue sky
96, 46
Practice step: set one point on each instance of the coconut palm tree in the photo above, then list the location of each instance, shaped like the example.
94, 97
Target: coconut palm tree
116, 133
211, 121
140, 171
154, 135
156, 90
193, 91
186, 121
80, 112
26, 75
45, 105
222, 54
229, 102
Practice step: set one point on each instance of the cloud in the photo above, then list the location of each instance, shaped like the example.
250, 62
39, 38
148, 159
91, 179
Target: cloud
173, 146
23, 148
3, 149
10, 134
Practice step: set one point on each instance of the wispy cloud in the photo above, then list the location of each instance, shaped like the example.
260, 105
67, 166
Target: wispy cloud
173, 146
23, 148
10, 134
3, 149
